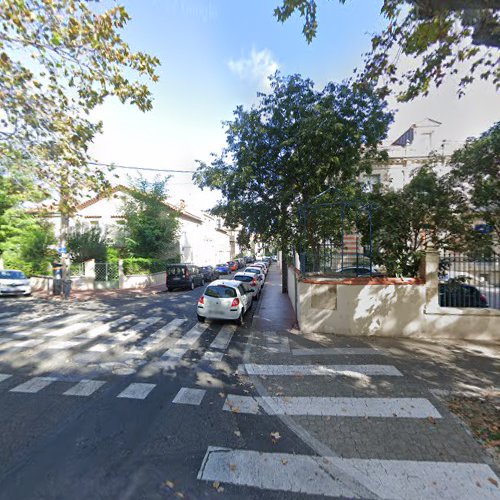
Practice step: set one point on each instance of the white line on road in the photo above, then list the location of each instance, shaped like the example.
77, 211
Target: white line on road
223, 337
4, 376
136, 391
346, 370
19, 345
313, 475
188, 396
172, 357
277, 342
34, 385
106, 328
84, 388
327, 351
76, 327
21, 331
63, 344
213, 356
334, 407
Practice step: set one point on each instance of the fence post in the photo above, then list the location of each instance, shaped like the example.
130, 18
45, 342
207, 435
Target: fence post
89, 272
121, 274
431, 269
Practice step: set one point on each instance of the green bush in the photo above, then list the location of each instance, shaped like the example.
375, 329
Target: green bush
141, 265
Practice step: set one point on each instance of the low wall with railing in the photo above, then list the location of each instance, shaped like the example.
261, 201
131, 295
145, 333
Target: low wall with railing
143, 280
387, 307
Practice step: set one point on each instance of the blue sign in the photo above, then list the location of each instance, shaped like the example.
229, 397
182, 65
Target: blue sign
62, 250
483, 228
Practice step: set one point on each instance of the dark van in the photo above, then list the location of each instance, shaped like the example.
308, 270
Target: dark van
184, 276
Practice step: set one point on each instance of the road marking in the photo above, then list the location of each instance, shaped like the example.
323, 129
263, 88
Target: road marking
172, 357
4, 376
20, 331
25, 321
63, 344
84, 388
334, 407
188, 396
19, 345
126, 336
213, 356
106, 328
277, 342
345, 370
341, 351
7, 314
136, 391
223, 337
313, 475
34, 385
76, 327
157, 337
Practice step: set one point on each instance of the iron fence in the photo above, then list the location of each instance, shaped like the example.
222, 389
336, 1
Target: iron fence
77, 269
106, 271
468, 280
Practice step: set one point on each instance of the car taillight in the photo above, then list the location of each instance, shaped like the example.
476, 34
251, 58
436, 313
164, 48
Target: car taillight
254, 282
235, 302
202, 300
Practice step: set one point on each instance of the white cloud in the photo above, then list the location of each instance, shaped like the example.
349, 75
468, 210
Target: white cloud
256, 68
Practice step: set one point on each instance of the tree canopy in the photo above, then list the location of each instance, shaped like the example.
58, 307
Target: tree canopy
437, 35
288, 148
60, 59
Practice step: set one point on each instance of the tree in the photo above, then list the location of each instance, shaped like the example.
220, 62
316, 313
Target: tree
439, 34
476, 172
291, 146
87, 243
433, 213
151, 227
59, 59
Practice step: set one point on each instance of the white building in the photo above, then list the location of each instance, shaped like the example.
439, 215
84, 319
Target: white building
202, 239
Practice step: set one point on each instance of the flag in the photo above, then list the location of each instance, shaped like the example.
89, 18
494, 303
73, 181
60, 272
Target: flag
405, 139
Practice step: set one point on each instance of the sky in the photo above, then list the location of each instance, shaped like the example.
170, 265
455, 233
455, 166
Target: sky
217, 54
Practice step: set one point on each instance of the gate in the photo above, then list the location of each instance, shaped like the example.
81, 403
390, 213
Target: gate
106, 271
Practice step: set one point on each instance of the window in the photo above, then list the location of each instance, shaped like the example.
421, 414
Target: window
12, 275
245, 279
220, 292
243, 289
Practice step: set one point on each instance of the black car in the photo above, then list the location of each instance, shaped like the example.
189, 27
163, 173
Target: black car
456, 294
209, 273
184, 276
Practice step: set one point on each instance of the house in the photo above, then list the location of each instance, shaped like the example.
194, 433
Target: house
202, 238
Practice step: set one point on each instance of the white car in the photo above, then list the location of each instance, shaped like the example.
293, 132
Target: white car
258, 271
263, 265
225, 299
251, 280
13, 282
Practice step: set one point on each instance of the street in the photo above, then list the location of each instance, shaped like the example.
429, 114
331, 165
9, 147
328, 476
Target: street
131, 397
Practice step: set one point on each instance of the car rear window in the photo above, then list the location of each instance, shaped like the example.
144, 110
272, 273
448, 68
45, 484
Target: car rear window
12, 275
255, 270
220, 292
176, 271
245, 279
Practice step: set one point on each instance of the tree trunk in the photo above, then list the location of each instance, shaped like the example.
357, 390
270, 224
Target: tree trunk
284, 272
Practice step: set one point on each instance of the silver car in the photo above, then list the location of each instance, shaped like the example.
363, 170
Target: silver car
14, 282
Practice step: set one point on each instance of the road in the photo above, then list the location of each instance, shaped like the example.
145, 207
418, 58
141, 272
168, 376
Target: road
131, 398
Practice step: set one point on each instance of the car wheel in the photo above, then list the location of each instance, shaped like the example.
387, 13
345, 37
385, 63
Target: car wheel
201, 319
239, 321
192, 285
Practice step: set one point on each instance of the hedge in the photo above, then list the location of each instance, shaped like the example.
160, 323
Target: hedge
140, 265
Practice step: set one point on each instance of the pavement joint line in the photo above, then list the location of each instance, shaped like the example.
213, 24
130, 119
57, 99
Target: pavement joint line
188, 396
136, 391
334, 406
318, 370
308, 474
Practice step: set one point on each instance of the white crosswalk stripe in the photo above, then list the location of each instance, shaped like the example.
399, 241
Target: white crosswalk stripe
126, 336
4, 376
84, 388
334, 407
7, 314
313, 475
77, 327
19, 345
213, 356
137, 391
223, 338
106, 327
171, 358
187, 396
42, 326
63, 344
319, 370
34, 385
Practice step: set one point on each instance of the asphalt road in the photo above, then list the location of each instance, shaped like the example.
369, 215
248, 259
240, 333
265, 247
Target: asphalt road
56, 446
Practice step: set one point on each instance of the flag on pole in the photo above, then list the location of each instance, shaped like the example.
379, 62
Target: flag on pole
405, 139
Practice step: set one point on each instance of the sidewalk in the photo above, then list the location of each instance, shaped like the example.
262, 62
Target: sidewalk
372, 398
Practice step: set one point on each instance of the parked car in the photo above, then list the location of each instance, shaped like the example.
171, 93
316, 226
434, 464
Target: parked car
251, 280
225, 299
241, 263
222, 268
209, 273
233, 265
258, 271
460, 295
263, 265
275, 258
184, 276
14, 282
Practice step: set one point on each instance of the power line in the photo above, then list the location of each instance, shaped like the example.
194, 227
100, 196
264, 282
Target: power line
142, 168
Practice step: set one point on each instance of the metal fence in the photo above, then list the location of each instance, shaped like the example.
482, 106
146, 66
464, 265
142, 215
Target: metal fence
77, 269
467, 280
106, 271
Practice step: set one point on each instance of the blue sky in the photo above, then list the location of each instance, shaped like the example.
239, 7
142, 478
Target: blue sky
215, 55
